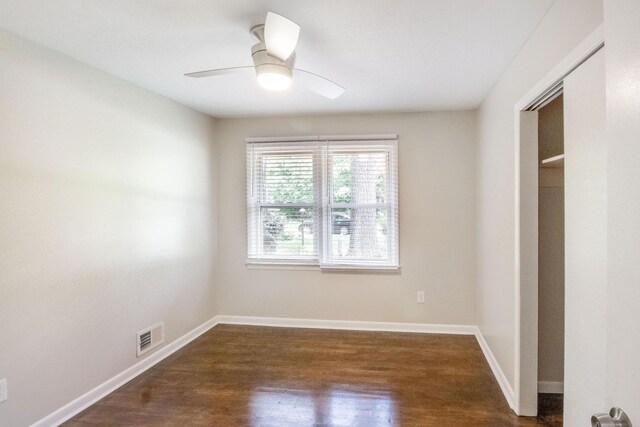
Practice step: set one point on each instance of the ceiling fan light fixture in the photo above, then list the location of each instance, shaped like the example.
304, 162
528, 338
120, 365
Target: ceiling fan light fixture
274, 60
274, 77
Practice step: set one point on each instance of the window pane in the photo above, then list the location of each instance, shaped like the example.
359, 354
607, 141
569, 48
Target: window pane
288, 178
359, 177
359, 233
288, 232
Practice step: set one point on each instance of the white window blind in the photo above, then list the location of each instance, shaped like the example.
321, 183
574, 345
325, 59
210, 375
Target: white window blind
327, 201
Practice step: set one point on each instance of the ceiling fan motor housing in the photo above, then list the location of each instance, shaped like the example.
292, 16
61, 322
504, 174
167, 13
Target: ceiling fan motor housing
265, 63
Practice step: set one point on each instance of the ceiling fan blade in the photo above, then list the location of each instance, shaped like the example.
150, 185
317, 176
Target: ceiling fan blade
280, 36
219, 71
319, 84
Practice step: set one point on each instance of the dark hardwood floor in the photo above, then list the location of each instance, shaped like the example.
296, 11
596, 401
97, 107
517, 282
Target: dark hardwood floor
550, 409
258, 376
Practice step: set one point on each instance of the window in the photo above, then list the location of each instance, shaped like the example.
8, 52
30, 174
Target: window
331, 202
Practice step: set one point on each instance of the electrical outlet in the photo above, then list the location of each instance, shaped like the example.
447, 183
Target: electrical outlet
3, 390
420, 297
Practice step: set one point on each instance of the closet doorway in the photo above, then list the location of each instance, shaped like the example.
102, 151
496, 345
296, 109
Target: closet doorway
545, 179
551, 244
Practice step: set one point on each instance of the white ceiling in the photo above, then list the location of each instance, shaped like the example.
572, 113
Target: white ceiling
402, 55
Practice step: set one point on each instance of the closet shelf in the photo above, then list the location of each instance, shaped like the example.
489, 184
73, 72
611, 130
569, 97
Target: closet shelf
553, 162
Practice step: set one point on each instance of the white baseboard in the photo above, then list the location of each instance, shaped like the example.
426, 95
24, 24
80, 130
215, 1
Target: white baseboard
551, 387
506, 388
81, 403
350, 325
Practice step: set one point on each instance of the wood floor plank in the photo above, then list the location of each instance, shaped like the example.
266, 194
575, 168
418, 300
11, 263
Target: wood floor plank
262, 376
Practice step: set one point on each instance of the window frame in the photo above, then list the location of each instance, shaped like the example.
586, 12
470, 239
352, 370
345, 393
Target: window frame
321, 149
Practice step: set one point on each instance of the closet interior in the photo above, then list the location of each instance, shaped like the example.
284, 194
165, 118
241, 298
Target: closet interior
551, 248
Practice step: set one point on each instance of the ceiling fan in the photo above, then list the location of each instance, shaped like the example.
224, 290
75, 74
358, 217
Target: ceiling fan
274, 59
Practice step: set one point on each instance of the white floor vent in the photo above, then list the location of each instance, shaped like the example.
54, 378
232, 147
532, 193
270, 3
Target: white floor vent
149, 338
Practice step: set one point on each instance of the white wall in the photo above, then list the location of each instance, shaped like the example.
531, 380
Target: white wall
622, 63
437, 226
566, 24
108, 225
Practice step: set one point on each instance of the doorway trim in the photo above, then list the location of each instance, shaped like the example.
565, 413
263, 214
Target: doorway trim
526, 226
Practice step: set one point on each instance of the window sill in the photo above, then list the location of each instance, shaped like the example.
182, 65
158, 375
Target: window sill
275, 265
310, 266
